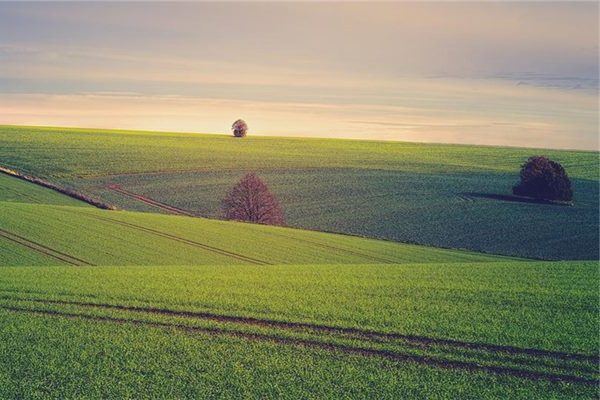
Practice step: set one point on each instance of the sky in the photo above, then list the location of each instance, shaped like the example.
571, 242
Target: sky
506, 73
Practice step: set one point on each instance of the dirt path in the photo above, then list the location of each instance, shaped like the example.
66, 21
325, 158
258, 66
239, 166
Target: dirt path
58, 188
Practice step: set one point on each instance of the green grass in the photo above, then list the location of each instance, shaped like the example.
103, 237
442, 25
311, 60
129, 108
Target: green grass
50, 357
337, 322
63, 149
349, 317
16, 190
50, 317
99, 237
550, 306
407, 192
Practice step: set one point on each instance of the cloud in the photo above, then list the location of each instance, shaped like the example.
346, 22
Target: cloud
493, 73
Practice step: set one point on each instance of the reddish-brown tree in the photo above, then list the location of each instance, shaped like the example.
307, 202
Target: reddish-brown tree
250, 200
542, 178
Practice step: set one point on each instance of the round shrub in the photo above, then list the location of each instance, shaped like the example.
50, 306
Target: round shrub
544, 179
239, 128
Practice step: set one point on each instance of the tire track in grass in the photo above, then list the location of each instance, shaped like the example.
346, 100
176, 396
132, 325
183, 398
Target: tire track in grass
154, 203
315, 344
331, 247
175, 210
217, 250
373, 337
18, 193
285, 325
40, 248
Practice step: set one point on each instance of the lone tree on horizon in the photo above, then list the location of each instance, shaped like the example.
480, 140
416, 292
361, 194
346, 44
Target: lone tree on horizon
239, 128
544, 179
250, 200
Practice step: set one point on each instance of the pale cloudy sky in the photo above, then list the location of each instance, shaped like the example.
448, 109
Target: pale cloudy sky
521, 74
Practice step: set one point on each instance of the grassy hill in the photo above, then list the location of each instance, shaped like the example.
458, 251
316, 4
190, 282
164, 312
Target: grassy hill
86, 236
71, 232
441, 195
19, 191
364, 317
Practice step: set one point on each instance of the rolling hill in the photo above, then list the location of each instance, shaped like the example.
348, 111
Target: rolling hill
440, 195
98, 303
71, 232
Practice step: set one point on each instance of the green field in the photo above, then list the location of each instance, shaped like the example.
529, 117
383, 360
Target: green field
97, 237
114, 304
428, 330
33, 233
19, 191
440, 195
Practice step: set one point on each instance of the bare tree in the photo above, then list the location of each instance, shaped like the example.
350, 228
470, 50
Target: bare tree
250, 200
239, 128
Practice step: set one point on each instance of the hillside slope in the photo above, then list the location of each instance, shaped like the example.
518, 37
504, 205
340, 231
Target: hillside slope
441, 195
140, 314
87, 236
33, 233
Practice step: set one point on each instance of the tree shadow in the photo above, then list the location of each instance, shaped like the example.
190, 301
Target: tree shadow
518, 199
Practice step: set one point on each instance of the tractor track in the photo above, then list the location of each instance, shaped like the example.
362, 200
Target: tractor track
315, 344
217, 250
356, 332
40, 248
165, 207
19, 194
331, 247
179, 211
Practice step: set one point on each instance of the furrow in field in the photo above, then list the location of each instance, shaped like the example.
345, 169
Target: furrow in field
179, 239
347, 349
336, 248
19, 194
58, 255
355, 332
165, 207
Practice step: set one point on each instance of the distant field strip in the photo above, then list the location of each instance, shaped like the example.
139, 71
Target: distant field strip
429, 352
178, 211
42, 249
244, 258
335, 248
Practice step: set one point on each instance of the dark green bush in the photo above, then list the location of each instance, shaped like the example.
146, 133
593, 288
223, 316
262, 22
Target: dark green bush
544, 179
